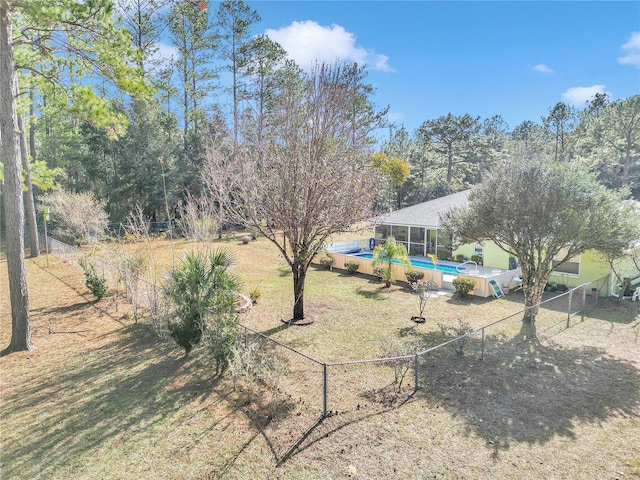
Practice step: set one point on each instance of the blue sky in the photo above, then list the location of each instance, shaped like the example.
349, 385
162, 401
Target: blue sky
427, 59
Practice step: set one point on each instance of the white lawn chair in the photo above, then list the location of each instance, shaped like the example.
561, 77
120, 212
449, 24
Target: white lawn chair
636, 294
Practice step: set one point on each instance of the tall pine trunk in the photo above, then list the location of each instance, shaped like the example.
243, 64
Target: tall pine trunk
14, 205
34, 244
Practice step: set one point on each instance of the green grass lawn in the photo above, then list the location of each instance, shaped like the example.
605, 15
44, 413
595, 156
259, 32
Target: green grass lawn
102, 397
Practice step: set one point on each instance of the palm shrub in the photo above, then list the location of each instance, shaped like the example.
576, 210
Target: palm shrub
386, 253
203, 292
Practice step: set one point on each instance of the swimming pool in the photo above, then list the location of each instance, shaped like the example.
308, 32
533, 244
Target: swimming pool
420, 264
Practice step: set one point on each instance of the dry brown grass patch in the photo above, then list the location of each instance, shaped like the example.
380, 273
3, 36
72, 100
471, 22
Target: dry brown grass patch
111, 401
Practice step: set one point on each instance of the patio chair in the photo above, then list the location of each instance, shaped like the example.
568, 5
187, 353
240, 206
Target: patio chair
636, 294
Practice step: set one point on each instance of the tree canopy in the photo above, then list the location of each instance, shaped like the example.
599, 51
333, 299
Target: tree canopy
305, 177
538, 209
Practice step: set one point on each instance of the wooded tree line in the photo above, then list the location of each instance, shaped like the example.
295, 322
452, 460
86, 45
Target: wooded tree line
453, 152
218, 84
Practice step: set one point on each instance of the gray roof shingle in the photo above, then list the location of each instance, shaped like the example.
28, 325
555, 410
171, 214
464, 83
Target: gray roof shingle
425, 214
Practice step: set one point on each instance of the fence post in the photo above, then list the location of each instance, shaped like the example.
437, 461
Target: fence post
482, 346
415, 373
584, 302
569, 307
324, 393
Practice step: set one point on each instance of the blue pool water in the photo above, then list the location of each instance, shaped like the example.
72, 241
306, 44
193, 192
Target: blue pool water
417, 263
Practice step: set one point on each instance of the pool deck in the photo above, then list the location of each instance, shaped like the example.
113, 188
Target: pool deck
467, 269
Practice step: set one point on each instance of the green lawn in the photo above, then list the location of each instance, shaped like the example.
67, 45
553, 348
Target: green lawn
102, 397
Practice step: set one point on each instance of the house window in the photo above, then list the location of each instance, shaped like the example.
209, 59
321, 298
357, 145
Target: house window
571, 266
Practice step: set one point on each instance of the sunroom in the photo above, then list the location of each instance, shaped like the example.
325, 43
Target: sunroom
418, 227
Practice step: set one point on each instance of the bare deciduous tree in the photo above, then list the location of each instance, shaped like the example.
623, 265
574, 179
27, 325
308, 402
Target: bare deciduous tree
79, 218
308, 177
197, 218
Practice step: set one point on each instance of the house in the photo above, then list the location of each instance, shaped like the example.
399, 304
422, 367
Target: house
418, 227
420, 230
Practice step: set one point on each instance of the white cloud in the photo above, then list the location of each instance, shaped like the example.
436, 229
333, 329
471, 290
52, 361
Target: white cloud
542, 68
578, 96
308, 42
632, 47
395, 117
165, 52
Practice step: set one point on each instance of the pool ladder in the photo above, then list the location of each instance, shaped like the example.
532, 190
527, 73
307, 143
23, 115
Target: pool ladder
471, 272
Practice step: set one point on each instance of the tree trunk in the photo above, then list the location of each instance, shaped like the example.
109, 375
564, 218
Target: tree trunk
14, 206
34, 244
32, 127
299, 277
532, 297
626, 283
449, 164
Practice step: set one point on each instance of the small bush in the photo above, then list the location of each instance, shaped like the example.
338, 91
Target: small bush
393, 346
246, 239
326, 261
463, 286
460, 258
477, 259
459, 332
423, 289
351, 266
220, 338
96, 285
414, 275
255, 295
257, 368
196, 218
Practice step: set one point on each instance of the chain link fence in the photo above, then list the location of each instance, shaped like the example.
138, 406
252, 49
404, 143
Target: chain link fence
280, 381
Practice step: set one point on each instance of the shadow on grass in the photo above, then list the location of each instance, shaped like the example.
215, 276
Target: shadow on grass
114, 390
524, 391
377, 294
607, 309
79, 307
469, 300
284, 271
529, 391
67, 310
